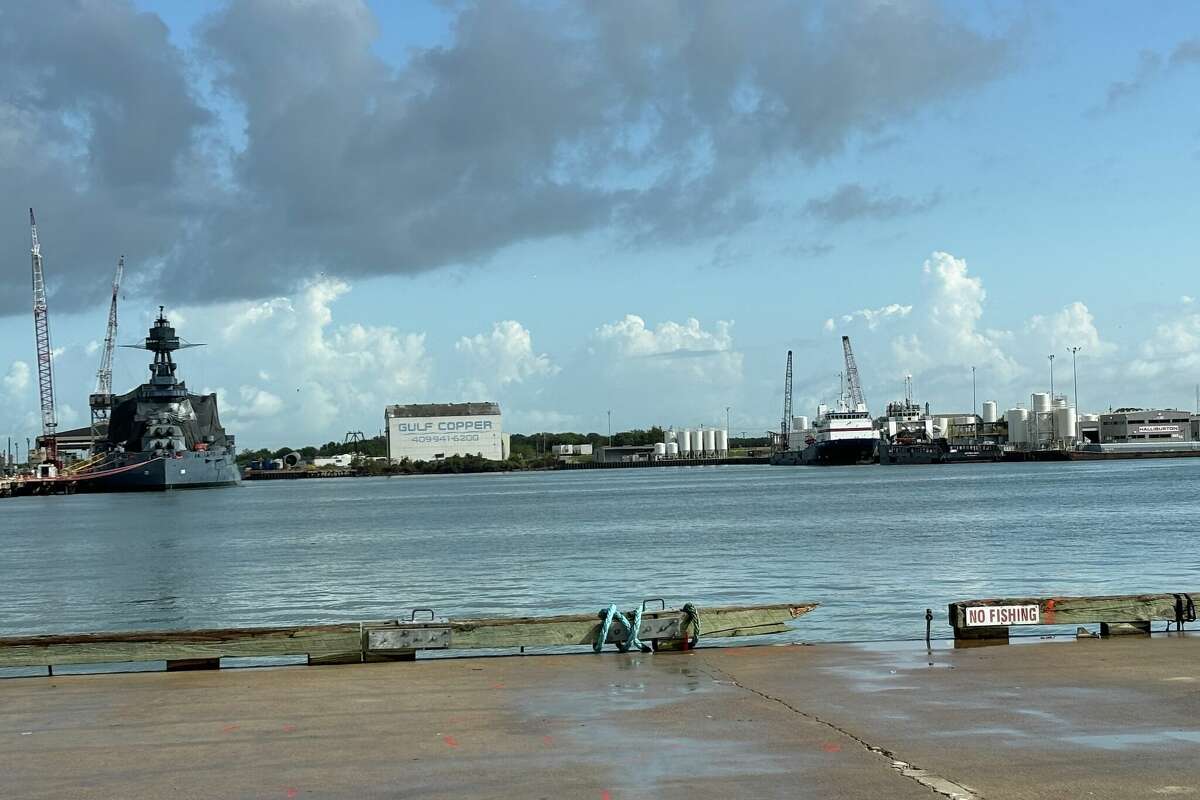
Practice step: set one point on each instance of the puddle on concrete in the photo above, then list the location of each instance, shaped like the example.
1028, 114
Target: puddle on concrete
1125, 741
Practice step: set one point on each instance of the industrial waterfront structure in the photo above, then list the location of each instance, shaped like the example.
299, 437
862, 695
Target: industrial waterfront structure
435, 431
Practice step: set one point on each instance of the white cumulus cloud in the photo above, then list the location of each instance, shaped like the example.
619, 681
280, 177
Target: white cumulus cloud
504, 356
16, 380
873, 316
682, 348
1073, 326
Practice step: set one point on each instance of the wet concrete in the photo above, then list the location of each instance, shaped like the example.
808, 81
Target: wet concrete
1106, 719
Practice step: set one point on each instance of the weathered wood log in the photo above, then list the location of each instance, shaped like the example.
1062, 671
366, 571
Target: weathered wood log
1142, 608
351, 643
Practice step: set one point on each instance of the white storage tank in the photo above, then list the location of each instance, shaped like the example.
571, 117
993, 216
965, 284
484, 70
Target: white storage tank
1041, 402
672, 449
669, 436
723, 443
989, 411
1066, 423
800, 423
660, 449
710, 440
685, 442
1018, 425
697, 442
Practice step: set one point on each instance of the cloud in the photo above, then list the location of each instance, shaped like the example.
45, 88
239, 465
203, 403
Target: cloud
873, 316
286, 138
16, 380
853, 201
1073, 326
504, 356
1150, 69
683, 349
1172, 352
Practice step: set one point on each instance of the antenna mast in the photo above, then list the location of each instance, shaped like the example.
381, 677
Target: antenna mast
101, 400
856, 395
785, 427
41, 329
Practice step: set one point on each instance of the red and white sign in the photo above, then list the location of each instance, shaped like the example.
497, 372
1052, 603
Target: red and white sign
1002, 615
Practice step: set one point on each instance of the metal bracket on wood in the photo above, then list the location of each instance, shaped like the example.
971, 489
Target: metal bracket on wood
408, 637
651, 628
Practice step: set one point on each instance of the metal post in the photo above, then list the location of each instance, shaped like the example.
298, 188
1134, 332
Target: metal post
1075, 376
1051, 357
726, 420
610, 427
974, 406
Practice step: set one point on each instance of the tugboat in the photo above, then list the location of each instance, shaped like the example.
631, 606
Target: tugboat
160, 436
845, 435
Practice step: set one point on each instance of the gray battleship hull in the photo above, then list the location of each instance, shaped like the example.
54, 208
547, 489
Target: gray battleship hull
141, 472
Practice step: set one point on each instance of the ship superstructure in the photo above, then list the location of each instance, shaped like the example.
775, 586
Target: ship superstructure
846, 433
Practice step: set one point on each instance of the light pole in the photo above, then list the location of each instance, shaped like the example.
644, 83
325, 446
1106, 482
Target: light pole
1051, 357
974, 405
1075, 375
727, 420
610, 427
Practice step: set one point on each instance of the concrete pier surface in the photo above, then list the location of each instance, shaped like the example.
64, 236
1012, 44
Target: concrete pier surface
1113, 718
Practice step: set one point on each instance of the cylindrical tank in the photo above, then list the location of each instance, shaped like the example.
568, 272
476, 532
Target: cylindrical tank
1041, 402
710, 440
292, 459
989, 411
685, 442
697, 442
1066, 423
672, 449
800, 423
1018, 425
1060, 401
722, 442
669, 437
660, 449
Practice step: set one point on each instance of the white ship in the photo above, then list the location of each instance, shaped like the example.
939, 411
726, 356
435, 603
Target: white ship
845, 434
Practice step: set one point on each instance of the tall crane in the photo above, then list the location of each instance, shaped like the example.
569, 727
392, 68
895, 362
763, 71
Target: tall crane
857, 401
101, 400
785, 427
41, 329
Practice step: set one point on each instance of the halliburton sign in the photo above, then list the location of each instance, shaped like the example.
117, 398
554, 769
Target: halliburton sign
1002, 615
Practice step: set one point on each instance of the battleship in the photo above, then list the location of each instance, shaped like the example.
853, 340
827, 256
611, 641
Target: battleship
160, 436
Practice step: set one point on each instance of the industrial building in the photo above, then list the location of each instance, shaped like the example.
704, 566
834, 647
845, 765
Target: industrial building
1139, 425
435, 431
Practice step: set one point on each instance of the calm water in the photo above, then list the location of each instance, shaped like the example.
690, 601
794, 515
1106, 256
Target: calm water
874, 545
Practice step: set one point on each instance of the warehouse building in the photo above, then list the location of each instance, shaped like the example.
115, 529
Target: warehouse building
434, 431
1138, 425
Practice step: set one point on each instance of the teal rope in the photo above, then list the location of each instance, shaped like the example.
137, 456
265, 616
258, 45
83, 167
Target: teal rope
632, 642
694, 618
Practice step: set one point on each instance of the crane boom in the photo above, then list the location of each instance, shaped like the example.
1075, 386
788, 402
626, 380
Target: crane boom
101, 400
41, 329
857, 401
785, 427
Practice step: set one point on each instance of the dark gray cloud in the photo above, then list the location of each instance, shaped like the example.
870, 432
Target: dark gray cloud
852, 201
653, 121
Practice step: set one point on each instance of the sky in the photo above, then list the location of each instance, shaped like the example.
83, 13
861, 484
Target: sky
592, 207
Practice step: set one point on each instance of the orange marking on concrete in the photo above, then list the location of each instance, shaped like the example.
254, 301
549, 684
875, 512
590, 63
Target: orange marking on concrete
292, 791
230, 728
289, 728
548, 741
831, 747
604, 795
450, 741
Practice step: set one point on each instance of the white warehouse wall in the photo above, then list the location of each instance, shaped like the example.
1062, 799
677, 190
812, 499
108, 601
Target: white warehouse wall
436, 437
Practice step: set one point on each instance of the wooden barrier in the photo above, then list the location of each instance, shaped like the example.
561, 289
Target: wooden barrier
990, 620
380, 640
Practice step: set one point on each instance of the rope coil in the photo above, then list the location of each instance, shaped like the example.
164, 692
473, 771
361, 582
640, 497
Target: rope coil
632, 642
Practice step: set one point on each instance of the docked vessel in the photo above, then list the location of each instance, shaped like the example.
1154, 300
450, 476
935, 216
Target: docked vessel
846, 434
160, 436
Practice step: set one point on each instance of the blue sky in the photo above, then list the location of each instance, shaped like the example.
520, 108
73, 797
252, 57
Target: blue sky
1029, 185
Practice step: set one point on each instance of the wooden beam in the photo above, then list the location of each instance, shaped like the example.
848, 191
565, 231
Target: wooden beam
315, 641
347, 643
1076, 610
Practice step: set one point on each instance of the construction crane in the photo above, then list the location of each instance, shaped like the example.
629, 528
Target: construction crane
857, 401
101, 400
41, 328
785, 427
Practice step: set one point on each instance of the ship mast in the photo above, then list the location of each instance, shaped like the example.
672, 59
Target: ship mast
41, 329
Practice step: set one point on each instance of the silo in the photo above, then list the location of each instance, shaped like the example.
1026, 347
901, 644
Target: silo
672, 449
989, 411
800, 423
1018, 425
723, 443
1060, 401
685, 442
1041, 402
660, 449
1066, 425
710, 441
698, 442
668, 436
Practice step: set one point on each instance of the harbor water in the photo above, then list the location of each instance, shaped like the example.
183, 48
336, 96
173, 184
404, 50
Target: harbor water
876, 546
